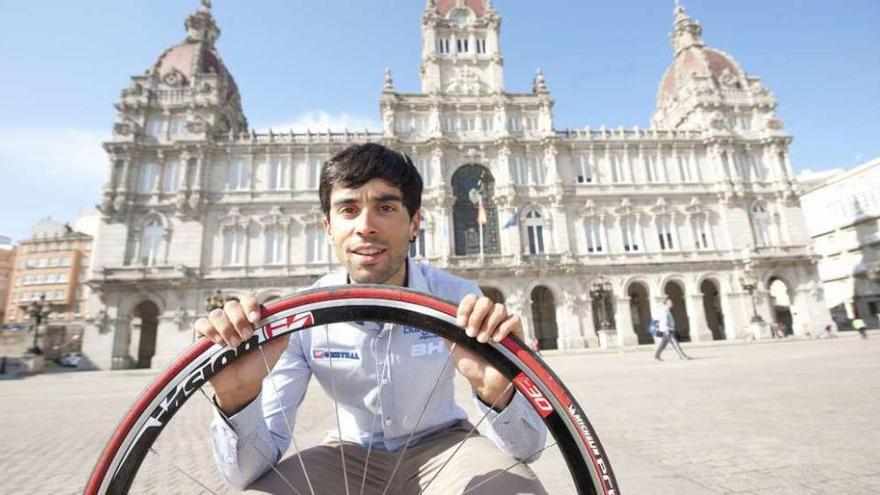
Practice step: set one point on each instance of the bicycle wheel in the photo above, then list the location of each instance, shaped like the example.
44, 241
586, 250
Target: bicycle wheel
565, 420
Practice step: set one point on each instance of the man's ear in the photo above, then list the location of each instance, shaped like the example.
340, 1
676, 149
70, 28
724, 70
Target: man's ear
327, 230
415, 223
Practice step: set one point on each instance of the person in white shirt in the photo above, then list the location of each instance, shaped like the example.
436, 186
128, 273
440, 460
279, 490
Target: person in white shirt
381, 374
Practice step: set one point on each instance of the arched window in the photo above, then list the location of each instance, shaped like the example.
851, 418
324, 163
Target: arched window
760, 224
535, 229
473, 186
150, 242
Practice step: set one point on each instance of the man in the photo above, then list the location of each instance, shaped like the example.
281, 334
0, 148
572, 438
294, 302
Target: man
859, 325
667, 327
371, 198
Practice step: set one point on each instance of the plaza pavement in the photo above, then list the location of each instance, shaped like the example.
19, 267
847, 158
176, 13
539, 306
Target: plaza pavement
793, 416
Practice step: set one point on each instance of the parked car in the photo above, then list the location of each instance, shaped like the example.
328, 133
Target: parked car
70, 360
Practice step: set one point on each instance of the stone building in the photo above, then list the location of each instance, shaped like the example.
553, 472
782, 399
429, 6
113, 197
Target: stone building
693, 206
7, 261
843, 219
52, 263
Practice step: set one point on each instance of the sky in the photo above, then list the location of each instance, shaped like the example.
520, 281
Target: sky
320, 64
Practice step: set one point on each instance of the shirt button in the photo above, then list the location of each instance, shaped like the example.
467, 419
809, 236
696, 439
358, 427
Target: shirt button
388, 422
384, 381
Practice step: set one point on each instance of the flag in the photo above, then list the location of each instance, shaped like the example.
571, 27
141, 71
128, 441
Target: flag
481, 213
511, 221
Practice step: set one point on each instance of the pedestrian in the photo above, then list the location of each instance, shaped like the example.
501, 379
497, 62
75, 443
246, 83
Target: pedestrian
667, 332
859, 325
370, 199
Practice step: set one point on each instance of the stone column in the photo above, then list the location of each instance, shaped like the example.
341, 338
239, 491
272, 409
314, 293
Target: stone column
626, 337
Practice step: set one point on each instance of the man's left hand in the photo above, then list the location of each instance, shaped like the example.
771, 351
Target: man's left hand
484, 320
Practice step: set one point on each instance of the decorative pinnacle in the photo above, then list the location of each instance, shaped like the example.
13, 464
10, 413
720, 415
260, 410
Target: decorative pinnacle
389, 81
206, 4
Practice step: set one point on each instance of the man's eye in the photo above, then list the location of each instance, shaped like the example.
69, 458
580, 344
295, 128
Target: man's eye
388, 208
346, 210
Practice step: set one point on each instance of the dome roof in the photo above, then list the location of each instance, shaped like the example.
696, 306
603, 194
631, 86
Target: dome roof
703, 62
444, 6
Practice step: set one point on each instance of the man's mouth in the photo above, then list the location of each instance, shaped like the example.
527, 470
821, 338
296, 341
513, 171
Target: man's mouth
368, 254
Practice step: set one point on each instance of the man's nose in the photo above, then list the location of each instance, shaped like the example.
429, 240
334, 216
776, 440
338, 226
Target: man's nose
366, 222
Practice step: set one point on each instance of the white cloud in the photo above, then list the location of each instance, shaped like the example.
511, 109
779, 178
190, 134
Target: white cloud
320, 121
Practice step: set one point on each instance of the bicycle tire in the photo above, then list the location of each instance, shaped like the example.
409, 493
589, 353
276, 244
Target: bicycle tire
565, 419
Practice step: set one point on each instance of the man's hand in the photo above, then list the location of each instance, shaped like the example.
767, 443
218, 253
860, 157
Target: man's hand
240, 382
485, 320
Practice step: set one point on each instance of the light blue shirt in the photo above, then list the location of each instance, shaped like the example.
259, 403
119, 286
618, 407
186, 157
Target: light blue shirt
367, 387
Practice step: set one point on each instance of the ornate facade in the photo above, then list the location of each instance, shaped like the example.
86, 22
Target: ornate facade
696, 204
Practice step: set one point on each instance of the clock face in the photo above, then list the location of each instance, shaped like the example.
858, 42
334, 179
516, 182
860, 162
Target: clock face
460, 17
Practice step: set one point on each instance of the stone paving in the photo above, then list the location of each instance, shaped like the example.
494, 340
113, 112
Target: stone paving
796, 417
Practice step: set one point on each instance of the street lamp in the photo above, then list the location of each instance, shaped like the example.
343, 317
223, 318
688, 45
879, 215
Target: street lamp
38, 311
600, 289
750, 286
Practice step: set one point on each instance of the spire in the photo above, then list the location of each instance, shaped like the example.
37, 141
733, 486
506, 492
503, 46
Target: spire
686, 32
200, 25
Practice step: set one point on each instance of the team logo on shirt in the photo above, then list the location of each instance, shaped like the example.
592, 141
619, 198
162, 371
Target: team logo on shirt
321, 354
423, 334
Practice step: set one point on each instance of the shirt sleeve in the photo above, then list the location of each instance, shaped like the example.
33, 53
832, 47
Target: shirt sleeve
517, 429
251, 441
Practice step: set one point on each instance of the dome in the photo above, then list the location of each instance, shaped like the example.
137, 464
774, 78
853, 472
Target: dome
444, 6
700, 62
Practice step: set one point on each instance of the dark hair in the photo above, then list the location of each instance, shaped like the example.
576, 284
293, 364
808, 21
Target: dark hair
360, 163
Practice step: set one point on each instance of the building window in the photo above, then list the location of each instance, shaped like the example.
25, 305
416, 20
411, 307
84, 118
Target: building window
176, 126
424, 167
614, 163
276, 174
314, 172
585, 172
592, 228
518, 170
155, 126
481, 45
443, 45
651, 168
417, 248
536, 171
487, 123
171, 178
462, 45
149, 175
150, 242
514, 124
233, 246
664, 233
535, 228
238, 177
628, 232
684, 168
701, 236
274, 245
317, 249
760, 224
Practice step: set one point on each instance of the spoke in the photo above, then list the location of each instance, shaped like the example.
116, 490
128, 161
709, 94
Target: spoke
249, 443
419, 420
465, 439
287, 422
375, 414
181, 471
508, 468
336, 407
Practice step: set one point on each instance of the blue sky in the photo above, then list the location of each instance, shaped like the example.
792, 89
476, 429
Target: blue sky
320, 63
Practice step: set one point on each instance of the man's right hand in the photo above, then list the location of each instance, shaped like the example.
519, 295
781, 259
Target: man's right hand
240, 382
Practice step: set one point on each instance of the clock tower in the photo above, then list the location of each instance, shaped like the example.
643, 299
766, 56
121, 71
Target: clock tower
460, 50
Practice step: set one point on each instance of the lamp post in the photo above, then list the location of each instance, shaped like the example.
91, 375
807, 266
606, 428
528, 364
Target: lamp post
38, 311
600, 289
749, 285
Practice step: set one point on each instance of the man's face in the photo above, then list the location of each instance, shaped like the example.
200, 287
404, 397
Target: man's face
669, 303
370, 229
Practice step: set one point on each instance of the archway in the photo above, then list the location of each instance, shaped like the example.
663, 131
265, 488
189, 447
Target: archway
781, 299
148, 314
640, 311
544, 317
712, 309
679, 310
470, 183
494, 294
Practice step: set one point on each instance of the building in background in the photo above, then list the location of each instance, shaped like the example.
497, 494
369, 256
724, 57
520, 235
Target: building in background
843, 219
52, 262
7, 260
583, 231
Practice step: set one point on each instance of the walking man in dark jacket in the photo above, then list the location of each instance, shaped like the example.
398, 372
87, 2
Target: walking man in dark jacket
667, 327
